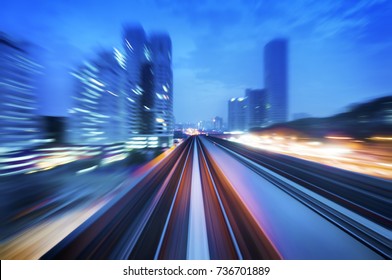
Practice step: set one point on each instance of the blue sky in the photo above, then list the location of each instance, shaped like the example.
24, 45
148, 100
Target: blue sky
340, 51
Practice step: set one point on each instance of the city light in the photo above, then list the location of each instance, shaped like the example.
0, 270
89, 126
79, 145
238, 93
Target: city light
192, 131
159, 120
209, 130
343, 154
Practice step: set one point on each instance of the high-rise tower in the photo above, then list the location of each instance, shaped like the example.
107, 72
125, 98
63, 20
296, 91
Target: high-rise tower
275, 80
20, 127
96, 116
150, 82
161, 51
137, 54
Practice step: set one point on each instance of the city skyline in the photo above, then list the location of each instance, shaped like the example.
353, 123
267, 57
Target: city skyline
268, 106
125, 97
114, 142
336, 49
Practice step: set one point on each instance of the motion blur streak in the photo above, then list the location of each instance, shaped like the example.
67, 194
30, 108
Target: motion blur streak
209, 198
40, 239
173, 244
343, 152
355, 204
41, 209
197, 240
250, 241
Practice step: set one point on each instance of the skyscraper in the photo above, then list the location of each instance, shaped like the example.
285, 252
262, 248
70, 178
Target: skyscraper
249, 111
275, 80
127, 97
161, 52
20, 127
137, 53
256, 110
97, 113
150, 82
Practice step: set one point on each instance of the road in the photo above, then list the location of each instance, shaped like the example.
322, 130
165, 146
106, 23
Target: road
212, 199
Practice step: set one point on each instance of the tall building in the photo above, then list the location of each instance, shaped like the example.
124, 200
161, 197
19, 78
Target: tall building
126, 97
137, 53
238, 120
257, 108
275, 80
163, 119
20, 126
150, 82
97, 115
249, 111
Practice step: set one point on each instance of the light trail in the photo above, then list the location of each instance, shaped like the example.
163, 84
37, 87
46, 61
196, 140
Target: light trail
209, 198
345, 153
365, 231
197, 236
226, 219
169, 216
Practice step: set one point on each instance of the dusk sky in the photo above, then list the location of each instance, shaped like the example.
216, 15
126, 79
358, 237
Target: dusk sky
340, 52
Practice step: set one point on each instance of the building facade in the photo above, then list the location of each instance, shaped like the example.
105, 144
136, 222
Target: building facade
276, 80
163, 120
149, 90
238, 115
98, 114
249, 111
137, 54
20, 125
257, 108
126, 97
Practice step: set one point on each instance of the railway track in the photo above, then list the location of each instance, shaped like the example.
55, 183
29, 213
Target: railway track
337, 192
186, 207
